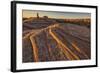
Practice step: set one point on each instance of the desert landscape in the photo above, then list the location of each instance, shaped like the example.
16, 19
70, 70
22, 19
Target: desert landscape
46, 39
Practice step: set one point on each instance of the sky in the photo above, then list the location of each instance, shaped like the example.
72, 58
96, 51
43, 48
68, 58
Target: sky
53, 14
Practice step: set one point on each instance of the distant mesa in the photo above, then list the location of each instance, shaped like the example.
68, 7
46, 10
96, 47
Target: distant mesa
45, 17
